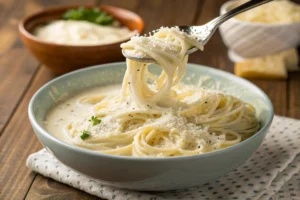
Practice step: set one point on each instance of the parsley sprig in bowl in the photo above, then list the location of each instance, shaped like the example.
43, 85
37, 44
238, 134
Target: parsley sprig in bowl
94, 15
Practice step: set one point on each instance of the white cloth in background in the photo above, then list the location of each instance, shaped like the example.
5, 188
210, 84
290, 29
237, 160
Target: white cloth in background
273, 172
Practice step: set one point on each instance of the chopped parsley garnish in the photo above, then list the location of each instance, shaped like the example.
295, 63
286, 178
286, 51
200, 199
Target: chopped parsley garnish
85, 135
95, 120
94, 15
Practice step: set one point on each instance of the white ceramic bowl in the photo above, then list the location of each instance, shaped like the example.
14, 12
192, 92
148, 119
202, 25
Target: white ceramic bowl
249, 39
154, 174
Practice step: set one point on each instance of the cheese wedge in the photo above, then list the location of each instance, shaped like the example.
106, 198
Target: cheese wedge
267, 67
291, 59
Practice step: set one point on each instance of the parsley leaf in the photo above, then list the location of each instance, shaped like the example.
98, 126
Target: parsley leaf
95, 15
95, 120
85, 135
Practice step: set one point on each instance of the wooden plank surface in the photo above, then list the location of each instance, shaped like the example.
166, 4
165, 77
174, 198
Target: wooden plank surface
46, 188
20, 77
294, 95
17, 143
17, 66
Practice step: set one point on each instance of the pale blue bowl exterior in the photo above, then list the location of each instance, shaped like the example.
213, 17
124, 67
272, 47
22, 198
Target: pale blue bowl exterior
147, 174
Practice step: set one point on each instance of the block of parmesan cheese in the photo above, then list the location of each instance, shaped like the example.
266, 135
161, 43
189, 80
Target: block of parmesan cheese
291, 59
267, 67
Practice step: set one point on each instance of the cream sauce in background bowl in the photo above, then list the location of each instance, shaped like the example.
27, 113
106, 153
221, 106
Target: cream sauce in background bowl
81, 33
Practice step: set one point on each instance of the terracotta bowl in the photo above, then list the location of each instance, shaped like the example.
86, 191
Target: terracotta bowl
62, 58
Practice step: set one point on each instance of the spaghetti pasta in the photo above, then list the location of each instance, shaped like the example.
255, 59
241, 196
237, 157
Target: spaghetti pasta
157, 116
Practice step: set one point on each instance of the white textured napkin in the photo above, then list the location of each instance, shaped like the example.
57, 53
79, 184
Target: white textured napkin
273, 172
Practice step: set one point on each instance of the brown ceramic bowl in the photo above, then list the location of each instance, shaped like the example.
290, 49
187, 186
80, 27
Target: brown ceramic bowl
62, 58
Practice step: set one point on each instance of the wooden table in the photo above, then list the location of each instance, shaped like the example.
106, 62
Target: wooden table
21, 75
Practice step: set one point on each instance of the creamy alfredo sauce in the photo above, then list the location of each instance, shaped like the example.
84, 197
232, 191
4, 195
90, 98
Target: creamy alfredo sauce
81, 33
70, 110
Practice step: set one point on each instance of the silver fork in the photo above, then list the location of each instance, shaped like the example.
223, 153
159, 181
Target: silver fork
204, 33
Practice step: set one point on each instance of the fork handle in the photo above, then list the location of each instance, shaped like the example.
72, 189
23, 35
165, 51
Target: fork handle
242, 8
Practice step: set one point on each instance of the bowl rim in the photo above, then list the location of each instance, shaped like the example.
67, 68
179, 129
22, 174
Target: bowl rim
76, 149
224, 7
23, 31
